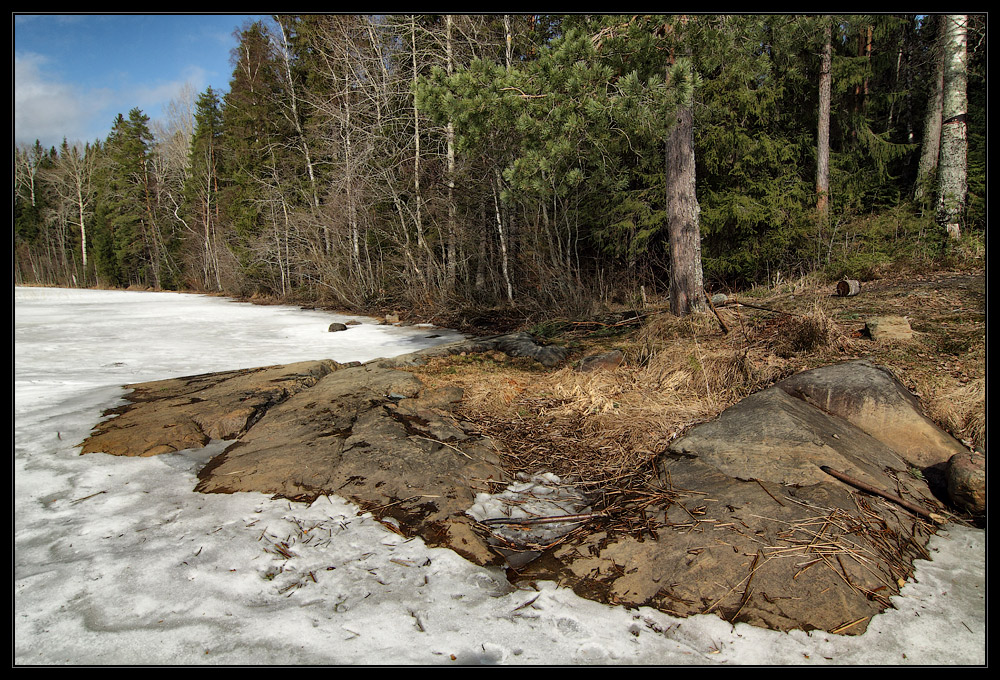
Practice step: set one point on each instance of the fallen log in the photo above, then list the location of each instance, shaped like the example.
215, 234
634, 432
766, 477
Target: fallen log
848, 288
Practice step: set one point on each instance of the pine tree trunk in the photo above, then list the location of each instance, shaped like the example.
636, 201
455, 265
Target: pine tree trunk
823, 131
686, 285
931, 144
952, 170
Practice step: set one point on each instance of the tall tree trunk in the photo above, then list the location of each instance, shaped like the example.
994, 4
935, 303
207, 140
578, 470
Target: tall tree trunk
687, 291
293, 102
823, 131
686, 285
452, 254
502, 234
418, 200
952, 170
508, 42
931, 144
81, 206
352, 207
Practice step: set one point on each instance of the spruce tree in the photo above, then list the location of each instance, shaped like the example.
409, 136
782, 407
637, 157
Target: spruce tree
203, 185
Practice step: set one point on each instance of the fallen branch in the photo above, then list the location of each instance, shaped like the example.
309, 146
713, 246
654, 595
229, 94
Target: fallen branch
624, 322
438, 441
544, 520
765, 309
857, 483
80, 500
761, 484
708, 298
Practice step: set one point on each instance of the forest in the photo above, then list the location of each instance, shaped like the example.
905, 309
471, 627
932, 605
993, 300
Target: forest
552, 162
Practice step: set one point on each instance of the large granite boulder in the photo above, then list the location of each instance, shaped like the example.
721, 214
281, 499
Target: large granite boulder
873, 400
748, 522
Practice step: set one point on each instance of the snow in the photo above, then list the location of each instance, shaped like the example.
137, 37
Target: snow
117, 560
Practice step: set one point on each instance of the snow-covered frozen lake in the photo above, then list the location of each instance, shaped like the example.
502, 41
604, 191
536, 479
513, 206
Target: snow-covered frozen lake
118, 561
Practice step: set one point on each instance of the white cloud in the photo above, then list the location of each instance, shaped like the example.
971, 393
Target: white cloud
154, 97
48, 109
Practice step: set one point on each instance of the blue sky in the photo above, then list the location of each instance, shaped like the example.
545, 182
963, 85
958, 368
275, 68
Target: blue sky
73, 74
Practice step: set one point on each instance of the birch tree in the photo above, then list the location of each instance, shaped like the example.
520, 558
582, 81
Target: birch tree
72, 178
952, 169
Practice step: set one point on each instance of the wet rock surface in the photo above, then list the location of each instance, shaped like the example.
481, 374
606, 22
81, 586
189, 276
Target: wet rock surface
369, 434
183, 413
742, 521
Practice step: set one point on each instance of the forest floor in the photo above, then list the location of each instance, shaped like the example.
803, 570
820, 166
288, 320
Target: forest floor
610, 425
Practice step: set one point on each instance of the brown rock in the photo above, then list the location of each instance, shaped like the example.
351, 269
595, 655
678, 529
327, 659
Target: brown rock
966, 476
187, 412
608, 360
873, 400
742, 523
366, 433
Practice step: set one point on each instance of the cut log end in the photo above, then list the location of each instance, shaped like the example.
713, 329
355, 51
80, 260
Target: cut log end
848, 288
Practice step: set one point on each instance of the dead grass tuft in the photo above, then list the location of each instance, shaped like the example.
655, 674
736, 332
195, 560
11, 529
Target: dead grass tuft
959, 409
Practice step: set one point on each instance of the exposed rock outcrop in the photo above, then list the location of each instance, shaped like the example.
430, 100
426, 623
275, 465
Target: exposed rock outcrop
370, 434
744, 521
754, 529
188, 412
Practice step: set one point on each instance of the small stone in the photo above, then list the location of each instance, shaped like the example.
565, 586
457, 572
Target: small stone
889, 328
608, 360
334, 327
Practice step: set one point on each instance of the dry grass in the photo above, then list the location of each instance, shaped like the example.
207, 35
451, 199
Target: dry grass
959, 408
609, 424
678, 372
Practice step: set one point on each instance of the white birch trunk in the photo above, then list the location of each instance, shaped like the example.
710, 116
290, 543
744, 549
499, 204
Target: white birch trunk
952, 170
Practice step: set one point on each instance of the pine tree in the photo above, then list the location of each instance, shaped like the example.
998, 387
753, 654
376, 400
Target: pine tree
127, 197
255, 135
